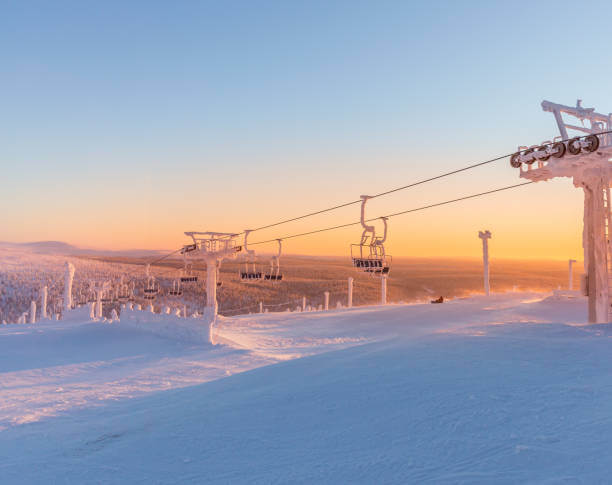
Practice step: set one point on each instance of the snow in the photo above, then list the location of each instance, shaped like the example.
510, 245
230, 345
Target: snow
513, 388
195, 330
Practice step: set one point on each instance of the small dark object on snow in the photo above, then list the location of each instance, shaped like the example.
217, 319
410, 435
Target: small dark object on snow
439, 300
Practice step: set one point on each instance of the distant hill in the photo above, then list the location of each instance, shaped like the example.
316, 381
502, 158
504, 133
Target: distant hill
51, 247
63, 248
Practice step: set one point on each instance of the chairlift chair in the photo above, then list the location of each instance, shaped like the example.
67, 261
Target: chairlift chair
250, 273
151, 289
274, 274
188, 276
176, 289
219, 282
369, 256
123, 295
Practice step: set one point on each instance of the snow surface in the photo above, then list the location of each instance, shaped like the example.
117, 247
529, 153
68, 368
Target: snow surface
513, 388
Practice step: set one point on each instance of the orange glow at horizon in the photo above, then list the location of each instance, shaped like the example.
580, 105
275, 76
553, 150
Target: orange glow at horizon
519, 232
539, 221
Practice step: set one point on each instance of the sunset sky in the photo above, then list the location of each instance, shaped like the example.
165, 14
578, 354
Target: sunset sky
125, 124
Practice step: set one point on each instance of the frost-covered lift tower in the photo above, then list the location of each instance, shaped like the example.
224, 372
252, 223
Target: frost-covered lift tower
213, 248
587, 160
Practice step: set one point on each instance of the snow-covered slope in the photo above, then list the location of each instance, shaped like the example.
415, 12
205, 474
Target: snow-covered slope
508, 389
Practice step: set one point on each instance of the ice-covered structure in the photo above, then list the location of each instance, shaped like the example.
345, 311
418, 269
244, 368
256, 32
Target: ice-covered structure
212, 248
587, 159
68, 278
485, 236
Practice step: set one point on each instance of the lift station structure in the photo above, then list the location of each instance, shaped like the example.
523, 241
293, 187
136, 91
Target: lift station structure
583, 153
213, 248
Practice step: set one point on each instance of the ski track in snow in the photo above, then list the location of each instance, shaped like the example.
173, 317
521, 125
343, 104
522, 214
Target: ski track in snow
504, 389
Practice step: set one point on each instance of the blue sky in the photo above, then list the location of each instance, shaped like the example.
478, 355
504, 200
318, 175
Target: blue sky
230, 114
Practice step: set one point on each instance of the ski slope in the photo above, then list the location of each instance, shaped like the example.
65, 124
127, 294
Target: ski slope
514, 388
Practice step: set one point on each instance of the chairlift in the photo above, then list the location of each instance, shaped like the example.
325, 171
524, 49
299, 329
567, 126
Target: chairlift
187, 248
274, 274
219, 282
123, 295
176, 288
151, 289
369, 255
188, 276
250, 273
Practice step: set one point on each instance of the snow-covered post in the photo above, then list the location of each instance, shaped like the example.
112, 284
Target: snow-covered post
485, 236
571, 274
350, 292
326, 295
211, 287
261, 307
92, 311
596, 212
383, 290
68, 277
33, 312
303, 303
43, 302
99, 303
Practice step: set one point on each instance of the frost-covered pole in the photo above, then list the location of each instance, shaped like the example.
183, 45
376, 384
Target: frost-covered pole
32, 311
261, 307
43, 302
383, 290
326, 295
571, 274
485, 236
99, 303
303, 303
211, 286
68, 277
595, 184
350, 293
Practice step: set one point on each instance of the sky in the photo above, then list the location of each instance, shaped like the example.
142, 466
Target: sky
125, 124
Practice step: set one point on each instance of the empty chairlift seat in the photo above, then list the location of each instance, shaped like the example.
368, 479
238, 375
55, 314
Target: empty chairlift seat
369, 255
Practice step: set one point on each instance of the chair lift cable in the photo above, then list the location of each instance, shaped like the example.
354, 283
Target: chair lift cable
397, 189
471, 196
381, 194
